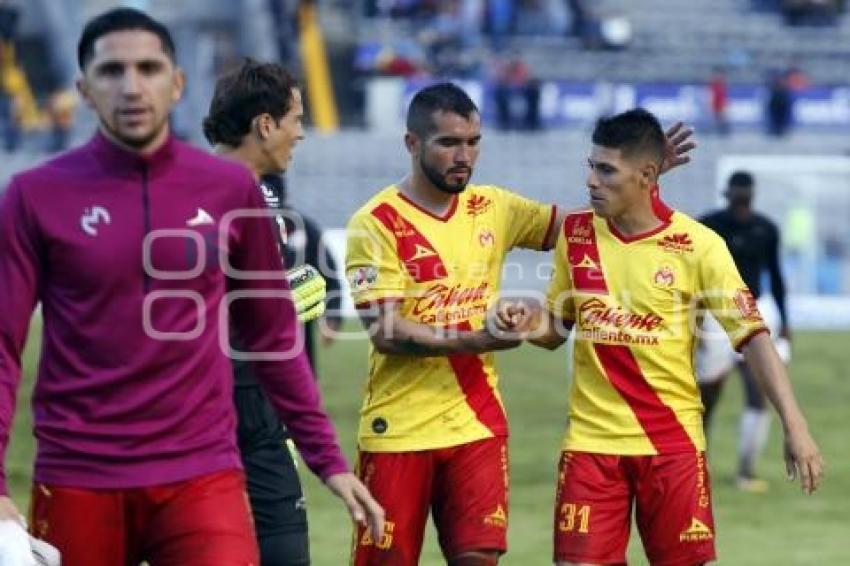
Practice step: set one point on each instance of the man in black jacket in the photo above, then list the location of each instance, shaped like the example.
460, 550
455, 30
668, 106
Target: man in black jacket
753, 240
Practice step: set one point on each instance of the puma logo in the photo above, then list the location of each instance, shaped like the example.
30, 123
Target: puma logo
201, 217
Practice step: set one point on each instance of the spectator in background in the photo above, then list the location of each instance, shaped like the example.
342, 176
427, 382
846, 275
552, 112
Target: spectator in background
60, 109
500, 21
9, 126
8, 109
510, 74
516, 93
449, 43
580, 17
285, 16
796, 79
719, 101
810, 12
780, 106
541, 17
402, 59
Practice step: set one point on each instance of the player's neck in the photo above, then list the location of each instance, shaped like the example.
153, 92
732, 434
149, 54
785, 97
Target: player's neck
741, 214
242, 154
150, 147
426, 195
636, 220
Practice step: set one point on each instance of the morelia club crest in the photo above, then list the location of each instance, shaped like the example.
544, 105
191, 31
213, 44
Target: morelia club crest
486, 238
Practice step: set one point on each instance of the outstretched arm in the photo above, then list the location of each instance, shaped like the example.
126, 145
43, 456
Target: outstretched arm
802, 457
391, 333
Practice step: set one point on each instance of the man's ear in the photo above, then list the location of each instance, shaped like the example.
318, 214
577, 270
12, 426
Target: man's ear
179, 85
411, 142
649, 172
262, 126
83, 89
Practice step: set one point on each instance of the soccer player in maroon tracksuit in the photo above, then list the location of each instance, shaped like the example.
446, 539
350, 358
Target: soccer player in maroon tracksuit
118, 240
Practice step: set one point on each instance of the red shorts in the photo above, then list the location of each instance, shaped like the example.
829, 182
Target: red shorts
198, 522
466, 488
672, 499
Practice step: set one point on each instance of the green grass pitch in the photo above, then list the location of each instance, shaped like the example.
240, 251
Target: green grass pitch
781, 527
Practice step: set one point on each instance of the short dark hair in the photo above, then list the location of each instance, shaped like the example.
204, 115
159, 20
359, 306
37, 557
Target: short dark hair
243, 94
445, 97
634, 131
741, 179
120, 19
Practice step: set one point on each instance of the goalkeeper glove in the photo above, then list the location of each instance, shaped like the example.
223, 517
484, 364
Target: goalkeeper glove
308, 292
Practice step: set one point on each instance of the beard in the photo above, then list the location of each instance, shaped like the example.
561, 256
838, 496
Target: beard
439, 180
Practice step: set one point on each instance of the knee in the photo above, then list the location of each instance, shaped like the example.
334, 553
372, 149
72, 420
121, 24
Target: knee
477, 558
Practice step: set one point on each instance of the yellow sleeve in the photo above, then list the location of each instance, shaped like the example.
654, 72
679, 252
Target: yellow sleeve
528, 222
560, 297
372, 265
724, 294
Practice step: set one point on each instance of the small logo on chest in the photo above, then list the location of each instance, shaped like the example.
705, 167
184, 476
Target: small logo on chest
486, 238
478, 205
664, 277
92, 217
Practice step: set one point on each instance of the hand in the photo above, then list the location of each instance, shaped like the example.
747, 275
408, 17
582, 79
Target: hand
362, 507
308, 292
803, 459
518, 317
509, 315
677, 147
8, 511
328, 329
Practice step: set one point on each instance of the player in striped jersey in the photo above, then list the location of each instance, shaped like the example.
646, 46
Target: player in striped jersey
632, 278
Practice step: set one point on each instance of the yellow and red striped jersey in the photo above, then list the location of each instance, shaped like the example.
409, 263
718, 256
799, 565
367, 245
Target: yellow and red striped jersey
446, 273
636, 304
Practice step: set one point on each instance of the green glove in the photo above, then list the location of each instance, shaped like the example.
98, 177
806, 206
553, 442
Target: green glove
308, 292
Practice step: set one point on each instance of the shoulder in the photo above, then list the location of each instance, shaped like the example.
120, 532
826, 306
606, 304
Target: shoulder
702, 236
365, 216
493, 193
767, 223
578, 217
711, 218
205, 165
66, 166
